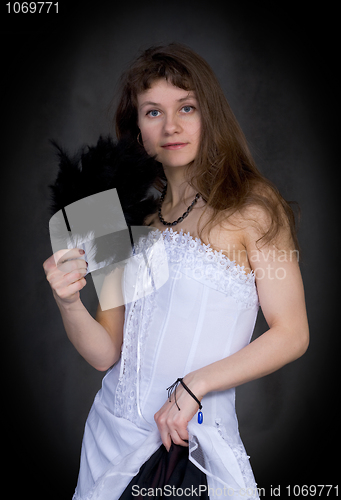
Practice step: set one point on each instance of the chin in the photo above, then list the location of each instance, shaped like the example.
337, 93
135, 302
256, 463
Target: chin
175, 162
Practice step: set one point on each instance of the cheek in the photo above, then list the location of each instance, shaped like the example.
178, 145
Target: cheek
198, 132
149, 135
196, 135
195, 129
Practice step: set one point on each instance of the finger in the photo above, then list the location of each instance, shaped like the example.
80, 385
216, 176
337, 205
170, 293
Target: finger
65, 267
71, 265
70, 278
178, 431
52, 261
59, 280
177, 439
183, 434
68, 254
166, 439
160, 420
175, 428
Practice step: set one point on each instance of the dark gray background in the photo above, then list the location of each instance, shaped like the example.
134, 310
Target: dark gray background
276, 66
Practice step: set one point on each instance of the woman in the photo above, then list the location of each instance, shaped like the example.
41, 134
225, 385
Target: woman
197, 327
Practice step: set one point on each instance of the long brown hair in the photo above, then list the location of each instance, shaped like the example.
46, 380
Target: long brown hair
224, 172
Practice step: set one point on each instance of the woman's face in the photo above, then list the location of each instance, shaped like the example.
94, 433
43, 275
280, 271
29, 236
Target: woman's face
170, 123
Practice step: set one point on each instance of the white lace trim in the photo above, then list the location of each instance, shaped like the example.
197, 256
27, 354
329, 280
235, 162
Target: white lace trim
212, 266
242, 459
127, 390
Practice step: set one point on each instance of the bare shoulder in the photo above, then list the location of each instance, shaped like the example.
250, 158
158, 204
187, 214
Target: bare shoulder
261, 225
250, 222
267, 220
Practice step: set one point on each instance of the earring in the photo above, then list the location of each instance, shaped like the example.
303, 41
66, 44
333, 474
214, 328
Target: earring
138, 138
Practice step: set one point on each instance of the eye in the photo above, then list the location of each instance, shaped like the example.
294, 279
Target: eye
153, 113
187, 109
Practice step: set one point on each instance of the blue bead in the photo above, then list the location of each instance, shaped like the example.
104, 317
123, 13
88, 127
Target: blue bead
200, 417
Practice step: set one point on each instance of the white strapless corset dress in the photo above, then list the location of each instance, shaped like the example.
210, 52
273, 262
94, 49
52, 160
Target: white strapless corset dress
205, 311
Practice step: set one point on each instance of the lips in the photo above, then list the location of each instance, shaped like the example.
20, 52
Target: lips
174, 145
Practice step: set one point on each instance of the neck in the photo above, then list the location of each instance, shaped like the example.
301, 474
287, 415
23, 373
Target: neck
178, 188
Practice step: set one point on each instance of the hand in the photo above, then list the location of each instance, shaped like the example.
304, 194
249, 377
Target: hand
65, 272
171, 422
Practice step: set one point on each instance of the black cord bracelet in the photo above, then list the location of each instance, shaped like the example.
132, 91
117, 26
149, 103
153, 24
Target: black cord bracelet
190, 392
173, 387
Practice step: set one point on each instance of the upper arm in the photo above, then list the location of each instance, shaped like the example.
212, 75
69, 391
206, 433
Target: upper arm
278, 279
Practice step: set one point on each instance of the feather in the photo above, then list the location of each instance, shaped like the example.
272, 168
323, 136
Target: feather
123, 166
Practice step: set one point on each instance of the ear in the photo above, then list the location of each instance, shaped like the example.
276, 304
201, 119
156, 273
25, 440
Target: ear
139, 139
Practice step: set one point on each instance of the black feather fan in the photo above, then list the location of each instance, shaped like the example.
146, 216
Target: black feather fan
122, 165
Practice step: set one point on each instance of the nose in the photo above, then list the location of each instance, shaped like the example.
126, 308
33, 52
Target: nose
172, 125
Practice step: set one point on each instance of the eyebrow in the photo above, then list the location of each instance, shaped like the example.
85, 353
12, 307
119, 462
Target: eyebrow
150, 103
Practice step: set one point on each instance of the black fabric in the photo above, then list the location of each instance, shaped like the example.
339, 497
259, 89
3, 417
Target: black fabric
169, 472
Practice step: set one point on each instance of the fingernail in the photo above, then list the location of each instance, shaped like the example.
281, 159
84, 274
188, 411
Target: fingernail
81, 252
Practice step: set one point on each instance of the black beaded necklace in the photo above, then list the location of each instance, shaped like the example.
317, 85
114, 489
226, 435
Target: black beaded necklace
183, 216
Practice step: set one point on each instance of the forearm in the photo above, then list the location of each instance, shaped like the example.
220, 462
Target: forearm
269, 352
91, 339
